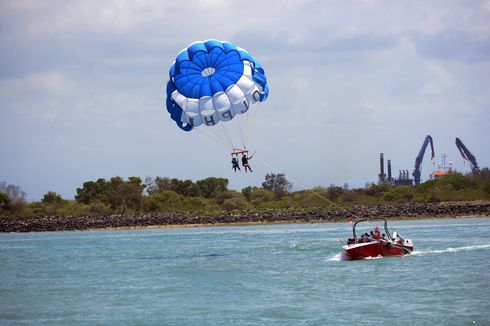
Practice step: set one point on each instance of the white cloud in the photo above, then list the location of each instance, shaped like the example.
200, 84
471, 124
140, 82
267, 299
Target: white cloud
51, 82
407, 45
346, 77
486, 5
301, 85
369, 105
431, 88
440, 81
35, 97
45, 112
440, 73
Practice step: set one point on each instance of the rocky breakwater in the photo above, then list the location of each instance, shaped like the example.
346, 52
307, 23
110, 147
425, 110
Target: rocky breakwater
417, 210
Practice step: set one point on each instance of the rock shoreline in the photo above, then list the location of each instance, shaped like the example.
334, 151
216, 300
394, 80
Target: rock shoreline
393, 211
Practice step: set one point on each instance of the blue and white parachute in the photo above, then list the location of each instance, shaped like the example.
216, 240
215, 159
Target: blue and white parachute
213, 82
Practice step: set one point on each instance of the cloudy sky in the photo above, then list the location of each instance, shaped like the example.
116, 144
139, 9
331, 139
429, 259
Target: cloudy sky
82, 88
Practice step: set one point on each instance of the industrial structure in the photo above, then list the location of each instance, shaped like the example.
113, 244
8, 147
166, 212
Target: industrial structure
443, 170
403, 177
467, 155
381, 175
418, 160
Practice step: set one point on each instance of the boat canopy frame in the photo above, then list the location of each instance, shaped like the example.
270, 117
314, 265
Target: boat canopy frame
387, 232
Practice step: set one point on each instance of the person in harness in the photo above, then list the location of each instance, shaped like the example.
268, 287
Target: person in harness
245, 162
235, 165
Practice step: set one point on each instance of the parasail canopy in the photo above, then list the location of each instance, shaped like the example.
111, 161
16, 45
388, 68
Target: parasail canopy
212, 83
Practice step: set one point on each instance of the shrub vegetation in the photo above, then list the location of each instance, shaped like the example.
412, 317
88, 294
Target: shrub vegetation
211, 195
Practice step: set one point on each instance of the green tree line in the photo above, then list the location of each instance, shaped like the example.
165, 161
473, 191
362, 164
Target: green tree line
207, 196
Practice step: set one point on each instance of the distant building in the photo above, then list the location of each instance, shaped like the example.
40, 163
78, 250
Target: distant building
403, 178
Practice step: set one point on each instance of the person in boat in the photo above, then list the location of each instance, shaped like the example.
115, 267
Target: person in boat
370, 237
365, 238
235, 165
377, 234
245, 162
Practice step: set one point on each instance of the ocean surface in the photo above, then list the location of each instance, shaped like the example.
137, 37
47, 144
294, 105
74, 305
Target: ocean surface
245, 275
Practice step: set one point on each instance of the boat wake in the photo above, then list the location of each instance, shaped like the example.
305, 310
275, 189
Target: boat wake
371, 258
452, 250
335, 258
295, 246
338, 257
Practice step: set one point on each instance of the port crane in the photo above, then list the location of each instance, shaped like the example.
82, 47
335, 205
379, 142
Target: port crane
465, 152
418, 160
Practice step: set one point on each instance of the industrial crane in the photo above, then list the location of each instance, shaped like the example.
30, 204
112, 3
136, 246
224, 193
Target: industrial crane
418, 160
467, 155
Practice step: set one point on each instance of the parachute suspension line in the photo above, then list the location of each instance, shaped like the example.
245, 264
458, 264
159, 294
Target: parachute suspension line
246, 126
226, 135
216, 139
250, 123
243, 131
240, 131
220, 134
214, 133
313, 192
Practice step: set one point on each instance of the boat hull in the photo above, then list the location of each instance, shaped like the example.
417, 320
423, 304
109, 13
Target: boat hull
374, 249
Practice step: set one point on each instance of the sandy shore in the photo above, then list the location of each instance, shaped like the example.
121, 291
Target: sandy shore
177, 220
185, 226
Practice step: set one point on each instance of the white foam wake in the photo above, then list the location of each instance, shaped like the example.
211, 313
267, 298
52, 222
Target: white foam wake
334, 258
377, 257
452, 250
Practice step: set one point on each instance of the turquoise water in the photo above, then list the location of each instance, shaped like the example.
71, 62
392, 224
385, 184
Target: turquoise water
250, 275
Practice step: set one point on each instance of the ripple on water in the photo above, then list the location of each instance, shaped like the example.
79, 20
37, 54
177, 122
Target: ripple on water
267, 274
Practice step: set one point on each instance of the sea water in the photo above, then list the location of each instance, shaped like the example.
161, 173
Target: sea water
245, 275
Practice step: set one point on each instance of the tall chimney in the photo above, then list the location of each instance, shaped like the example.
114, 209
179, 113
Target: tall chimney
389, 171
381, 168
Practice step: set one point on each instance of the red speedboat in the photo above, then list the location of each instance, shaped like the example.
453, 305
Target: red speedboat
365, 247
